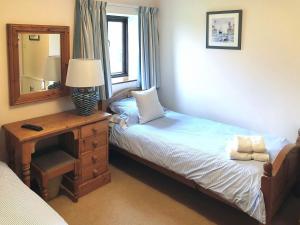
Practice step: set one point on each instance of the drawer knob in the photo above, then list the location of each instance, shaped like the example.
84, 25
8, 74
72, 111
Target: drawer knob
95, 172
95, 144
94, 130
94, 159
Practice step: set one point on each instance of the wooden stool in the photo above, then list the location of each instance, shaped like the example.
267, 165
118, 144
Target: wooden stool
53, 164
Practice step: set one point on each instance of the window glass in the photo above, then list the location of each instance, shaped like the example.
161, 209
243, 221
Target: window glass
115, 37
124, 46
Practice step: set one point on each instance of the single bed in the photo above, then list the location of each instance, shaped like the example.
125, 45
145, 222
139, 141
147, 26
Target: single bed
19, 205
192, 150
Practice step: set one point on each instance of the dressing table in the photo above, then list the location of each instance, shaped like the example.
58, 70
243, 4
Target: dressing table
83, 137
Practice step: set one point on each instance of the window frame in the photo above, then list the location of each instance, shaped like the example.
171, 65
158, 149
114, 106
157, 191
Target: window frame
124, 21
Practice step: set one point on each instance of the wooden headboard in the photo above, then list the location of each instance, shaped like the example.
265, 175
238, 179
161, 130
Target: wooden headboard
125, 93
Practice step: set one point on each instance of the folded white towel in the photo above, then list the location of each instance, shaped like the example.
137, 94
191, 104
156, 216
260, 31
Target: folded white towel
240, 156
235, 155
262, 157
258, 144
248, 148
242, 144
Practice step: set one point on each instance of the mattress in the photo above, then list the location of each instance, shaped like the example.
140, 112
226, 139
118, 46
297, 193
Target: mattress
195, 148
21, 206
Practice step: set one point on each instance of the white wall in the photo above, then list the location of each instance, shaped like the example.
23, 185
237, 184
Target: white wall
257, 87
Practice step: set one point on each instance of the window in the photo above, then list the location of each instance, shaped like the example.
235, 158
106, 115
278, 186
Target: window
128, 71
118, 45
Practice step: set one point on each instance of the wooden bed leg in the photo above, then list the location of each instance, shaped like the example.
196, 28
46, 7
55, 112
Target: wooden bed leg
297, 189
266, 188
268, 221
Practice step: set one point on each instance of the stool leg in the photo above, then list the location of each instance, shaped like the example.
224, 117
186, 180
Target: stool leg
45, 188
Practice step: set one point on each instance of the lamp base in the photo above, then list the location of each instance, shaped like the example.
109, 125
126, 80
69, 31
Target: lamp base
85, 100
55, 85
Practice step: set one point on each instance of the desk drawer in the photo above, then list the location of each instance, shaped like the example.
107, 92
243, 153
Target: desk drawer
99, 155
94, 142
93, 171
93, 184
94, 129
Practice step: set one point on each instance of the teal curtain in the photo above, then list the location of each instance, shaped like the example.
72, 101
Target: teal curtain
91, 38
149, 48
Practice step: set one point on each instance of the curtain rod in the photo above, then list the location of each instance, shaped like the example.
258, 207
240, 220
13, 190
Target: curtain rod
123, 5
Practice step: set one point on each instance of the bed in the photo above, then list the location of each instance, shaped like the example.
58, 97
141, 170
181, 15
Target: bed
192, 150
19, 205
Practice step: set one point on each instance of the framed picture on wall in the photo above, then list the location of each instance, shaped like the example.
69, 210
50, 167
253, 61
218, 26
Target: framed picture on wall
224, 29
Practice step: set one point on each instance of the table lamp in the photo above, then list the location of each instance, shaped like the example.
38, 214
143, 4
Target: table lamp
53, 71
84, 75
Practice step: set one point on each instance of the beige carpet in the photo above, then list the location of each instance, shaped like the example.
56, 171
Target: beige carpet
140, 196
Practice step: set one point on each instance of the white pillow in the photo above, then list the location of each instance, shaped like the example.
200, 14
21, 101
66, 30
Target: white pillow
148, 105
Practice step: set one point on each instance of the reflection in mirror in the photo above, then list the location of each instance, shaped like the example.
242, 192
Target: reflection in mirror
39, 62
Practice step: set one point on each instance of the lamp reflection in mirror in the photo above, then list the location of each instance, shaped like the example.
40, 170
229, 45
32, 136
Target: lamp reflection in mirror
84, 75
53, 71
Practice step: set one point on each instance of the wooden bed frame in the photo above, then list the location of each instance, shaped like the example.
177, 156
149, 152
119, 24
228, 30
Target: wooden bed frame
279, 178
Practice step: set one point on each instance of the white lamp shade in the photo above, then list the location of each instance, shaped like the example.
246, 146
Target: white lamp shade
84, 73
53, 68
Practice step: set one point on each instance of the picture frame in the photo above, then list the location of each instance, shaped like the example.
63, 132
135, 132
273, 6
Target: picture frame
224, 29
34, 37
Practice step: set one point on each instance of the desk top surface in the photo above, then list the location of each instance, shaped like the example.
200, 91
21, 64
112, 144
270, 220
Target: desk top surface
52, 124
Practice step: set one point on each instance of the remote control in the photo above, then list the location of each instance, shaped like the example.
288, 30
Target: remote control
32, 127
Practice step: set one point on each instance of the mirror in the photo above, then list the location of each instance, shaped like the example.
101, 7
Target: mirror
38, 57
39, 62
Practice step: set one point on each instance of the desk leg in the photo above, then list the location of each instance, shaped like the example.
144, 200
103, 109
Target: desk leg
27, 149
10, 151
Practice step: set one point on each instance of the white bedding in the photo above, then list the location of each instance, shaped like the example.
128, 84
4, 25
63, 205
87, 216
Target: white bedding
21, 206
195, 148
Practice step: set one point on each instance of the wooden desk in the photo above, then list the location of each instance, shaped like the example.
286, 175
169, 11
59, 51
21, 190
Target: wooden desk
84, 137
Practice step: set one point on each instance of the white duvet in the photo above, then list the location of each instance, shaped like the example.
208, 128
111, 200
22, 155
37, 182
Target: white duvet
21, 206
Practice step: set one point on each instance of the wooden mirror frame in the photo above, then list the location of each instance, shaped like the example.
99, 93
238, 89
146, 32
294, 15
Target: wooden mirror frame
15, 96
